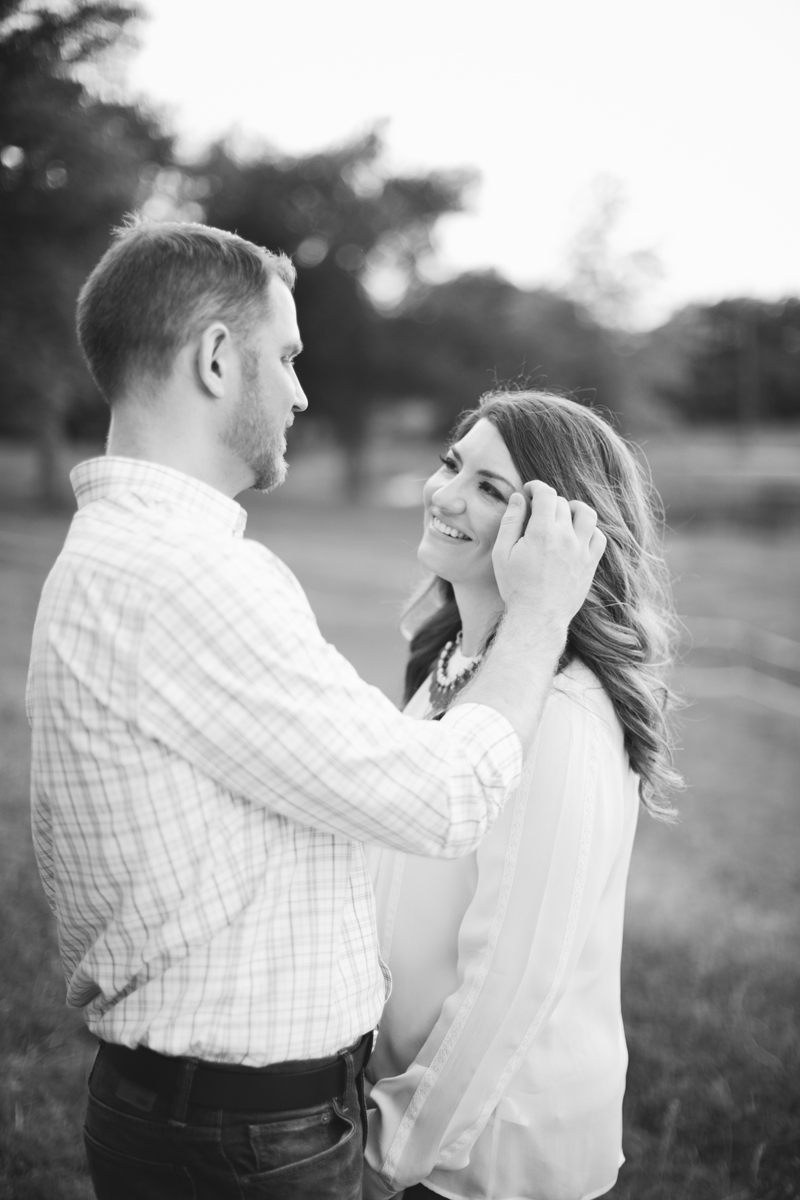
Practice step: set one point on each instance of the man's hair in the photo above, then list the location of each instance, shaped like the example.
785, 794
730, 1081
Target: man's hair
158, 285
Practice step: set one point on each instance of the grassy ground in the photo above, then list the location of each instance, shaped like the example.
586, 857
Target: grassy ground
711, 975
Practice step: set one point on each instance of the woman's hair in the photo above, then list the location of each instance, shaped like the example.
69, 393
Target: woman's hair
625, 631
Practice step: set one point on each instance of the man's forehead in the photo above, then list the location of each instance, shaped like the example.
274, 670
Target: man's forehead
281, 320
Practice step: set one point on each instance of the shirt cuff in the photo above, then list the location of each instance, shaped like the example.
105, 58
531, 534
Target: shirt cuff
491, 737
373, 1187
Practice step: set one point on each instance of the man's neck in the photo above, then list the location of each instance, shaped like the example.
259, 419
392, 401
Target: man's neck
178, 445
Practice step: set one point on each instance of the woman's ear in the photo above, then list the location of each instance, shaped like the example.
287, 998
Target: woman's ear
213, 361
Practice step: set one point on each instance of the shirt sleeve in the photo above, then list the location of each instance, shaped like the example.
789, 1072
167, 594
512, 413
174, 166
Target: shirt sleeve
537, 892
235, 678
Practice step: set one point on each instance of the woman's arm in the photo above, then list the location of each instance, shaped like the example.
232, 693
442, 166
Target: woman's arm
538, 889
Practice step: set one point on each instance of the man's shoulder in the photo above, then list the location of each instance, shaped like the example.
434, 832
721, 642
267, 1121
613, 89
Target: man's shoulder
167, 553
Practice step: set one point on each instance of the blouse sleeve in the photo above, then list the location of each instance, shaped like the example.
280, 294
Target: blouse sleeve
538, 889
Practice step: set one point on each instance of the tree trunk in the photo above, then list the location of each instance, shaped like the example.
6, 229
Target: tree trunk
53, 491
356, 475
748, 372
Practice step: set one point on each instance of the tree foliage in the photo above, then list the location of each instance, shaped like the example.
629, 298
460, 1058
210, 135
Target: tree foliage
744, 364
478, 331
70, 167
72, 164
343, 219
605, 280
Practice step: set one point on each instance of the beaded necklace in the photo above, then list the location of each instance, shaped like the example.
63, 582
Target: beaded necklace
447, 682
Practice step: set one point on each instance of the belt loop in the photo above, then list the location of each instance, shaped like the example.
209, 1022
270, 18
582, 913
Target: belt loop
347, 1055
350, 1086
183, 1088
369, 1038
362, 1099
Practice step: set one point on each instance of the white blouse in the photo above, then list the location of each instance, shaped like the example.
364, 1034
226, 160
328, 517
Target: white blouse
499, 1068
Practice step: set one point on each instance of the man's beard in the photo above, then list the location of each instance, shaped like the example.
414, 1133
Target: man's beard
251, 434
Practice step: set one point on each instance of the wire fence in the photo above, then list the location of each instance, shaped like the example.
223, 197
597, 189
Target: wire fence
746, 663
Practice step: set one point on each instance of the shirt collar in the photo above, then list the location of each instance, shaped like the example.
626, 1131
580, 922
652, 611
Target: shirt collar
101, 478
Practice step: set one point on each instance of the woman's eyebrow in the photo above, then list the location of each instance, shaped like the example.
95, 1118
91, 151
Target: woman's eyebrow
502, 478
485, 474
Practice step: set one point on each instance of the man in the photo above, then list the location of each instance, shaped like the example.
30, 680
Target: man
205, 766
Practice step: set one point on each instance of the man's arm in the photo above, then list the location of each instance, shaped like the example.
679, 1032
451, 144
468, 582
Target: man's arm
235, 679
544, 571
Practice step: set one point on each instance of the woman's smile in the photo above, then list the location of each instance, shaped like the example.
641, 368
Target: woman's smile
448, 530
464, 505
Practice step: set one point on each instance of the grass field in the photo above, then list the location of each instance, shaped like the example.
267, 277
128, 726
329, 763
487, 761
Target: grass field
711, 968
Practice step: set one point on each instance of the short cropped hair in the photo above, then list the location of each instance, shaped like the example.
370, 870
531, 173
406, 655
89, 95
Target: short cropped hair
158, 285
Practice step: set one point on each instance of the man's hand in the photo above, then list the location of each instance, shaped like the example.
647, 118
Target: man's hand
547, 567
544, 571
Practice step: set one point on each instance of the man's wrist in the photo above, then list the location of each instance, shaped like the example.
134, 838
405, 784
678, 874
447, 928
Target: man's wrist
531, 632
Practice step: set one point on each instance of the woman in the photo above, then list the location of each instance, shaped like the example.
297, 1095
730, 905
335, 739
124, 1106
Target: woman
500, 1063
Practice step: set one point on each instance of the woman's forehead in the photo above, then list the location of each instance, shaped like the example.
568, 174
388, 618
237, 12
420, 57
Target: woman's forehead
482, 448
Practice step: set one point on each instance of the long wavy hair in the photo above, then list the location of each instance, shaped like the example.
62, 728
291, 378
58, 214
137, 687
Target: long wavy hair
626, 630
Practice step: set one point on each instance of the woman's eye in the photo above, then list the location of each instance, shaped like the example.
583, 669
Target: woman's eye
448, 463
492, 491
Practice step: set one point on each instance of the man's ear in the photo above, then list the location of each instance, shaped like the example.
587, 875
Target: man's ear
214, 359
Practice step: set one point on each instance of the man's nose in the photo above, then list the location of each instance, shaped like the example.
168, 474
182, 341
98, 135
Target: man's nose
300, 398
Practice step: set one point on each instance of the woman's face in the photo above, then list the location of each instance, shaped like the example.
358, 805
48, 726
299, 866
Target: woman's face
464, 505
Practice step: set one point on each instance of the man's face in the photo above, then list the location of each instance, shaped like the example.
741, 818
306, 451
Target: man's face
270, 392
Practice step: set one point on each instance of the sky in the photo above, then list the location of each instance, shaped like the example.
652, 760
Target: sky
690, 108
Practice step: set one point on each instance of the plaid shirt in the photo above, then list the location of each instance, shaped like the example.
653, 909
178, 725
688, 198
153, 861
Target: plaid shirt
205, 769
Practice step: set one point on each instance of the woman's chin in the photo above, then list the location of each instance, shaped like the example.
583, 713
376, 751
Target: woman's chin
431, 560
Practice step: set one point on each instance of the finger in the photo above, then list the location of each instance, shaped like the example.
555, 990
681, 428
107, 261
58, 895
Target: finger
584, 520
597, 545
511, 526
563, 514
543, 502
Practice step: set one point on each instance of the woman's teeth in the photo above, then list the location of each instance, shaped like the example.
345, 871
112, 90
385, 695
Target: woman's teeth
448, 529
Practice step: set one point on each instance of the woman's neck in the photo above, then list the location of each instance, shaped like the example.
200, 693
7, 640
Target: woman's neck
480, 611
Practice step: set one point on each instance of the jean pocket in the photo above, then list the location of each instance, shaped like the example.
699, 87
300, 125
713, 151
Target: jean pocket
297, 1141
120, 1176
314, 1155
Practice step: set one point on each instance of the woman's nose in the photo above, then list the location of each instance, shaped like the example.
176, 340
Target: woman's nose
448, 497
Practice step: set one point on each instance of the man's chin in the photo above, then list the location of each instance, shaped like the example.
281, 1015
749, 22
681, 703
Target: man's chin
269, 480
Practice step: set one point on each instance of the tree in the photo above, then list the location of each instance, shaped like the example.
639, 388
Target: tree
744, 365
605, 281
70, 166
474, 332
344, 219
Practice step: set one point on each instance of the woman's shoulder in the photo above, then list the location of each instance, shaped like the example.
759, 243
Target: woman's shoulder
577, 695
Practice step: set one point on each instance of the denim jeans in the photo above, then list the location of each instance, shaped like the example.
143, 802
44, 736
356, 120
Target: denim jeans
141, 1147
